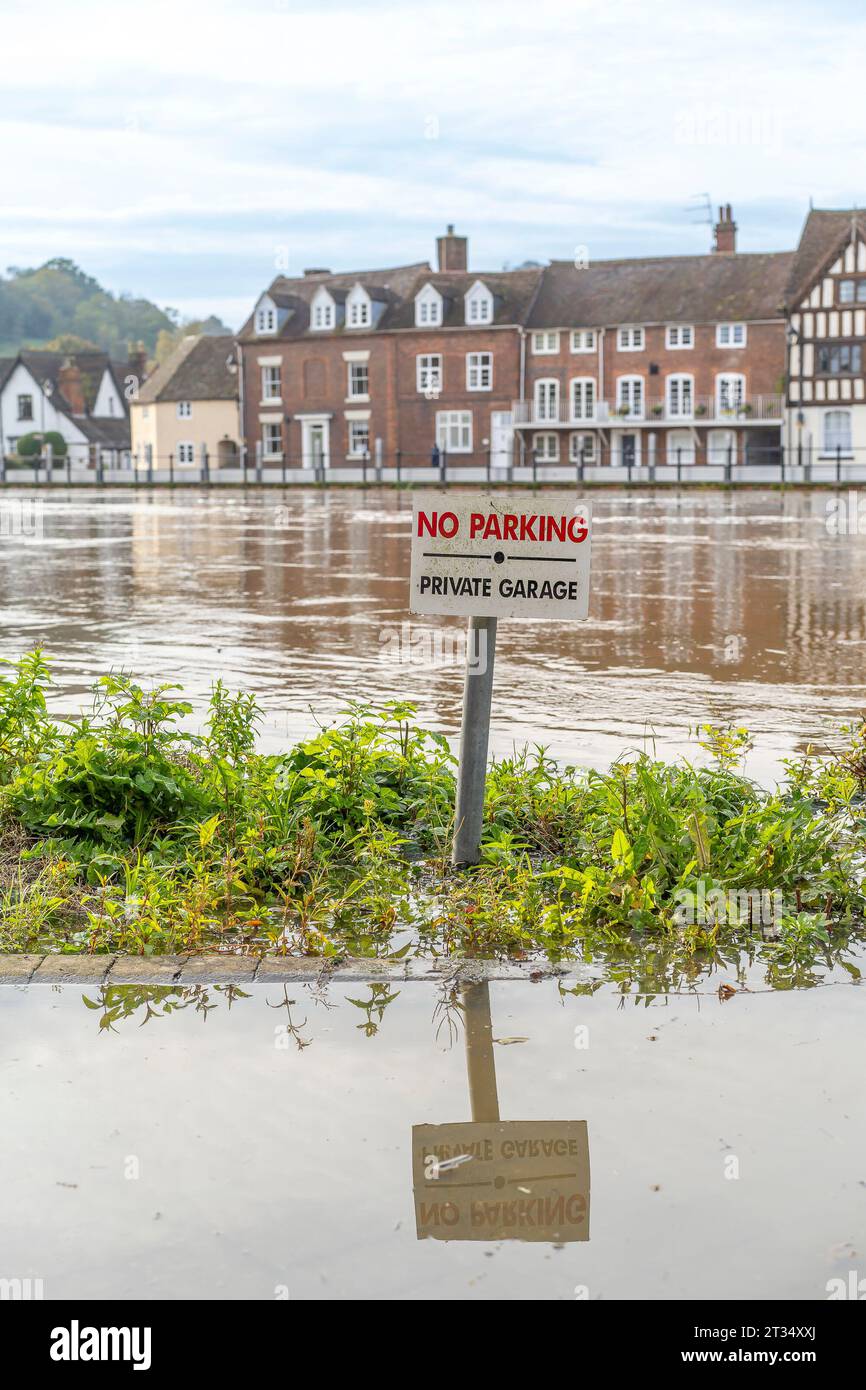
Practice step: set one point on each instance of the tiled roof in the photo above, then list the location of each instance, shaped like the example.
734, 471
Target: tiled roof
513, 291
388, 286
198, 370
111, 432
823, 236
662, 289
45, 366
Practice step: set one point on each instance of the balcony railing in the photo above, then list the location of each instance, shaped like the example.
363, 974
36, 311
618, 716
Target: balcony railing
701, 410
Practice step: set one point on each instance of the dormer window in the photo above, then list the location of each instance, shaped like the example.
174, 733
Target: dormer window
428, 308
323, 311
266, 317
358, 308
478, 304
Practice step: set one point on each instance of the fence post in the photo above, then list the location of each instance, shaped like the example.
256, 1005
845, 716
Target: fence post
97, 456
838, 463
443, 468
205, 463
68, 466
49, 461
679, 464
535, 468
171, 470
2, 466
148, 455
244, 461
728, 465
364, 460
489, 465
283, 463
399, 465
258, 460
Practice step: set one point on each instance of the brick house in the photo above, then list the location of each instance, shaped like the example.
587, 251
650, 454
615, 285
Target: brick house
407, 360
658, 360
663, 359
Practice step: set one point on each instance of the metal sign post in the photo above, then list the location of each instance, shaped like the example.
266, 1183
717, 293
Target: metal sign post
474, 739
485, 557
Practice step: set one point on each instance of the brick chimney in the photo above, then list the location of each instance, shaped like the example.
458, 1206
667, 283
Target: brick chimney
71, 388
725, 232
452, 251
136, 364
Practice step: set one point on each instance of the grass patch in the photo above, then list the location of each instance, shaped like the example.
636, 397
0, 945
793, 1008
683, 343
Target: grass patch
121, 832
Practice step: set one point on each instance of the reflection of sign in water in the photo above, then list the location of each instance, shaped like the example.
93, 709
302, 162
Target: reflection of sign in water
522, 1180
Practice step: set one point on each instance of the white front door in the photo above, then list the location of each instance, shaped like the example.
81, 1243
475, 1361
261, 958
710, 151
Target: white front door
314, 443
501, 438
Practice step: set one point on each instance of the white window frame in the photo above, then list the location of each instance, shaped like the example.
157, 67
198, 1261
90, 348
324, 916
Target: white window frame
454, 425
359, 312
323, 312
582, 398
723, 381
266, 319
428, 308
183, 410
545, 342
27, 414
831, 440
575, 443
269, 395
583, 340
478, 304
185, 451
674, 334
680, 396
626, 388
428, 373
545, 400
630, 338
545, 447
479, 371
362, 371
354, 451
266, 430
731, 335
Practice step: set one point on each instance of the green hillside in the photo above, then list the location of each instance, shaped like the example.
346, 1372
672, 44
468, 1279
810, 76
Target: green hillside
58, 299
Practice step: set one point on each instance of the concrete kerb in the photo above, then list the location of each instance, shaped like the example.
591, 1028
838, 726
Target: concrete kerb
218, 969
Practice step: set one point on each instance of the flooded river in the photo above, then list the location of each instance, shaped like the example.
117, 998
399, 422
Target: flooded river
240, 1148
747, 606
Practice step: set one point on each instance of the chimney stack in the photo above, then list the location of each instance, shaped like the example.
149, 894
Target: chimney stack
137, 361
71, 388
725, 232
452, 251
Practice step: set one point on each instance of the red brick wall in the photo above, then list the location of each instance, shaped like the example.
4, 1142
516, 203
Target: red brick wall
401, 416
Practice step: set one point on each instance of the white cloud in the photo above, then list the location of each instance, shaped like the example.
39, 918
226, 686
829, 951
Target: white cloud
223, 129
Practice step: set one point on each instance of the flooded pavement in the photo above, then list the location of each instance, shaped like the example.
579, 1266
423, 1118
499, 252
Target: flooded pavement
257, 1143
746, 606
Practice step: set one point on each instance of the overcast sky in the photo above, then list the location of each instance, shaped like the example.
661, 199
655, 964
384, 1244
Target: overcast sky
185, 151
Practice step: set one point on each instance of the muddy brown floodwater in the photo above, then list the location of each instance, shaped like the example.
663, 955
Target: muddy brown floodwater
707, 606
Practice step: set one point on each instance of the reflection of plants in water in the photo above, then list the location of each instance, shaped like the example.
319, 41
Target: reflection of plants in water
290, 1028
118, 1003
448, 1014
374, 1007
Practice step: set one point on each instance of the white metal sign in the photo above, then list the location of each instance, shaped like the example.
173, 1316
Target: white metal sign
484, 555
